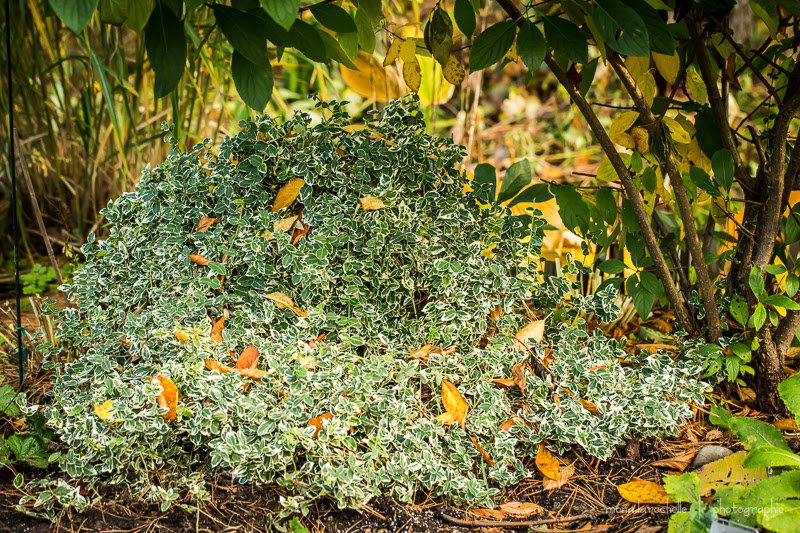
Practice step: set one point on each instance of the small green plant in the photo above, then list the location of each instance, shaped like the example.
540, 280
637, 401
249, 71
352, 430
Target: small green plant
771, 503
24, 447
38, 280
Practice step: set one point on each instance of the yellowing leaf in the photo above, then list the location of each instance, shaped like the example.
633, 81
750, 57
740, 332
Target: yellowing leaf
623, 139
547, 463
647, 85
520, 509
668, 66
249, 358
533, 330
216, 329
623, 122
727, 472
637, 66
103, 410
370, 203
453, 71
697, 87
393, 52
168, 398
372, 80
408, 50
641, 139
642, 491
284, 302
512, 55
198, 259
454, 404
412, 74
433, 89
287, 194
787, 424
677, 132
589, 406
205, 223
216, 365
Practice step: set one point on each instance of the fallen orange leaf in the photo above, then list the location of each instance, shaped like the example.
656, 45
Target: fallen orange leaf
533, 330
317, 422
679, 462
547, 463
787, 424
205, 223
563, 477
494, 514
168, 398
518, 376
508, 424
216, 329
284, 302
454, 404
371, 203
521, 509
424, 352
642, 491
483, 452
252, 373
506, 383
216, 365
182, 336
589, 406
198, 259
248, 359
288, 194
103, 410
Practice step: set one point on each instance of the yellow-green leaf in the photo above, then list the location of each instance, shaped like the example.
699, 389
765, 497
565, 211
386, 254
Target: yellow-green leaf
288, 194
697, 87
668, 66
647, 85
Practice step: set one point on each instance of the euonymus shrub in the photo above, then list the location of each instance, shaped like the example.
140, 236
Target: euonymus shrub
334, 279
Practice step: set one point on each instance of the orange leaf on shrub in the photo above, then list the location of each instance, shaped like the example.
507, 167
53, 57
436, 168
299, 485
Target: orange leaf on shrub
547, 463
252, 373
198, 259
288, 194
248, 359
482, 451
511, 422
216, 329
205, 223
182, 336
454, 404
284, 302
216, 365
168, 398
317, 422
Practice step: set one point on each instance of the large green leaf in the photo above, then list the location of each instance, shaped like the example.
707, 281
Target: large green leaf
607, 205
643, 301
243, 31
770, 456
571, 207
253, 81
780, 300
622, 28
683, 488
566, 39
531, 45
113, 11
701, 178
284, 12
308, 40
535, 193
722, 165
739, 310
334, 50
754, 433
485, 173
138, 12
517, 177
366, 34
76, 14
789, 389
465, 17
661, 39
491, 45
165, 43
333, 17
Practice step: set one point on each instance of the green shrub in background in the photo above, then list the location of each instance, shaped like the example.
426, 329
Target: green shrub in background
387, 255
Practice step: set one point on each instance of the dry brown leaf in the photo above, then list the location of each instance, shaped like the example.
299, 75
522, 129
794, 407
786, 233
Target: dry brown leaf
787, 424
521, 509
103, 410
518, 376
424, 352
181, 336
506, 383
198, 259
372, 80
548, 357
371, 203
284, 224
284, 302
496, 313
494, 514
589, 406
482, 451
216, 365
216, 329
642, 491
679, 462
205, 223
252, 373
713, 435
287, 194
317, 422
533, 330
298, 232
168, 398
455, 406
563, 477
547, 463
508, 424
248, 359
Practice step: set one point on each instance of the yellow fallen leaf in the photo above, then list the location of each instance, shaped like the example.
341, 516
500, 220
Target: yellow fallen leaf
248, 359
533, 330
103, 410
563, 477
424, 352
288, 194
198, 259
454, 404
520, 509
641, 491
727, 472
168, 398
505, 383
484, 453
181, 336
284, 302
589, 406
284, 224
370, 203
547, 463
787, 424
216, 365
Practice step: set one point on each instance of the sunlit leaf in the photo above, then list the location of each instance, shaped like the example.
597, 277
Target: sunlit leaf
287, 194
454, 404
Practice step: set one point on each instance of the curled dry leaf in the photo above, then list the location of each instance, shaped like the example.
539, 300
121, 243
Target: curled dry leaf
298, 232
252, 373
533, 330
482, 451
641, 491
494, 514
216, 329
787, 424
508, 424
547, 463
288, 194
505, 383
103, 410
284, 302
424, 352
563, 477
181, 336
589, 406
455, 406
205, 223
521, 509
284, 224
248, 359
679, 462
198, 259
518, 376
168, 398
371, 203
318, 422
216, 365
